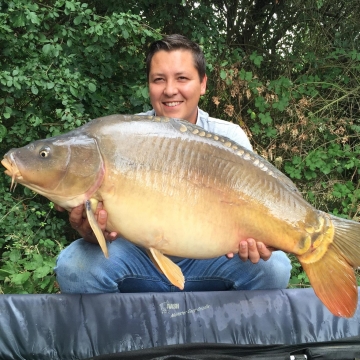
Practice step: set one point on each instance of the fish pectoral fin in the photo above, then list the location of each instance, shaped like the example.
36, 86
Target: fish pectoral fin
89, 208
334, 282
167, 267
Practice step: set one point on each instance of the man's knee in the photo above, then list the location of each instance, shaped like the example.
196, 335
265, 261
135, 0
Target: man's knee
281, 267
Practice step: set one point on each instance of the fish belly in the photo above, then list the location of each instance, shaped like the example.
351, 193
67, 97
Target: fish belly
195, 221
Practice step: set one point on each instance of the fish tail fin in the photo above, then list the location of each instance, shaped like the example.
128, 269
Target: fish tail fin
347, 239
332, 273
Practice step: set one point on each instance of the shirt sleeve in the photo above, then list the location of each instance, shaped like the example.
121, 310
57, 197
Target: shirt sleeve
237, 134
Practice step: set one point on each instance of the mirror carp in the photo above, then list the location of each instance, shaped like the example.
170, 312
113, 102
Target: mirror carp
176, 189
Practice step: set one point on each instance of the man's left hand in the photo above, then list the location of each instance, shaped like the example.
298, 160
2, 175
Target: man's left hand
251, 250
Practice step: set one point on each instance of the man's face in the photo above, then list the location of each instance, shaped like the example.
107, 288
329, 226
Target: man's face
174, 85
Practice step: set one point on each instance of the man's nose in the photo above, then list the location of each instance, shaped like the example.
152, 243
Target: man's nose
170, 88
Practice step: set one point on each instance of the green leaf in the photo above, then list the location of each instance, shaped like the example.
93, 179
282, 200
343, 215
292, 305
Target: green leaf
34, 90
73, 91
15, 256
265, 119
92, 87
42, 271
145, 92
32, 265
99, 30
125, 34
19, 20
3, 132
78, 19
223, 74
257, 59
248, 76
70, 5
19, 279
33, 17
47, 48
17, 85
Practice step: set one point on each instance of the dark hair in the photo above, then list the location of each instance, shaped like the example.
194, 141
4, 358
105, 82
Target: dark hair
177, 42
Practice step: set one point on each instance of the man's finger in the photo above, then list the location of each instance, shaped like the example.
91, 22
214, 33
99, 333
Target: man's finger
58, 208
102, 219
111, 236
254, 255
264, 252
243, 251
76, 215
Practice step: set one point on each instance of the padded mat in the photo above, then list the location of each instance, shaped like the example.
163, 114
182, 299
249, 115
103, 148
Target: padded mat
83, 326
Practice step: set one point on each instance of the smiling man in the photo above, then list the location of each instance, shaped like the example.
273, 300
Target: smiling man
177, 79
175, 85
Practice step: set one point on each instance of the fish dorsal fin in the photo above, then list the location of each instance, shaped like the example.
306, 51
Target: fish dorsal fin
167, 267
90, 208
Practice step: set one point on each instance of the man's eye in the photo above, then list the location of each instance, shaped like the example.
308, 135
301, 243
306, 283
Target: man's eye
158, 79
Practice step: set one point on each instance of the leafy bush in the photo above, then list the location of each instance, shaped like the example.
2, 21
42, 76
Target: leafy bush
303, 116
30, 243
62, 64
286, 71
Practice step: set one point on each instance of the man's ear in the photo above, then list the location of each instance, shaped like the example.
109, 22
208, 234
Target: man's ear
203, 85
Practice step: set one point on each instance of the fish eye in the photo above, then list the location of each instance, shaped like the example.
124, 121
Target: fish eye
44, 152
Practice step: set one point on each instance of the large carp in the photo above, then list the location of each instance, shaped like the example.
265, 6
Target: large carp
177, 189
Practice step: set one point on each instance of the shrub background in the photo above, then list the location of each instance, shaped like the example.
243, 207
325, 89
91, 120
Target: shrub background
287, 71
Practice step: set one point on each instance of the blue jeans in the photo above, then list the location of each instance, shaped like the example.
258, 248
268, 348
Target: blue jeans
82, 268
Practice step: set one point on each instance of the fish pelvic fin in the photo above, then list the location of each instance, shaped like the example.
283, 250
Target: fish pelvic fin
167, 267
331, 271
90, 205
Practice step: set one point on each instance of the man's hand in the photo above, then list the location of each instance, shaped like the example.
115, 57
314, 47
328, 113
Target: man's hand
251, 250
82, 226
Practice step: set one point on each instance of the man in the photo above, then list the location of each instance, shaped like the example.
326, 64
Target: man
177, 79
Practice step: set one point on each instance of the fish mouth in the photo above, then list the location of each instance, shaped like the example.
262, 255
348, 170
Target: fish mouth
12, 171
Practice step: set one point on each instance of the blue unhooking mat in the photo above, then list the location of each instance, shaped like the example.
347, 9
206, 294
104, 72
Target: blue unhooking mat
201, 325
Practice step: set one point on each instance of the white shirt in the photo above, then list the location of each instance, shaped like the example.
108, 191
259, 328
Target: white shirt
220, 127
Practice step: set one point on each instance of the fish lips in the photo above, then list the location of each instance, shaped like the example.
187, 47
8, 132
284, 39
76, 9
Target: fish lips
11, 170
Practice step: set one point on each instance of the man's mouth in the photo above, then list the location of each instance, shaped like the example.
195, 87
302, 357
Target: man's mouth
173, 103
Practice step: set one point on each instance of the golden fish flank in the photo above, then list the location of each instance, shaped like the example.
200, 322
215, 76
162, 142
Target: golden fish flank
176, 189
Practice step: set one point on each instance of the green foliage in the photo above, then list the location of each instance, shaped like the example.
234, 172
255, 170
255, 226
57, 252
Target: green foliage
61, 64
29, 244
286, 71
298, 278
299, 101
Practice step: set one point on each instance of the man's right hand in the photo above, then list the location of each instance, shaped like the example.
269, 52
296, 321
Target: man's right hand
82, 226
